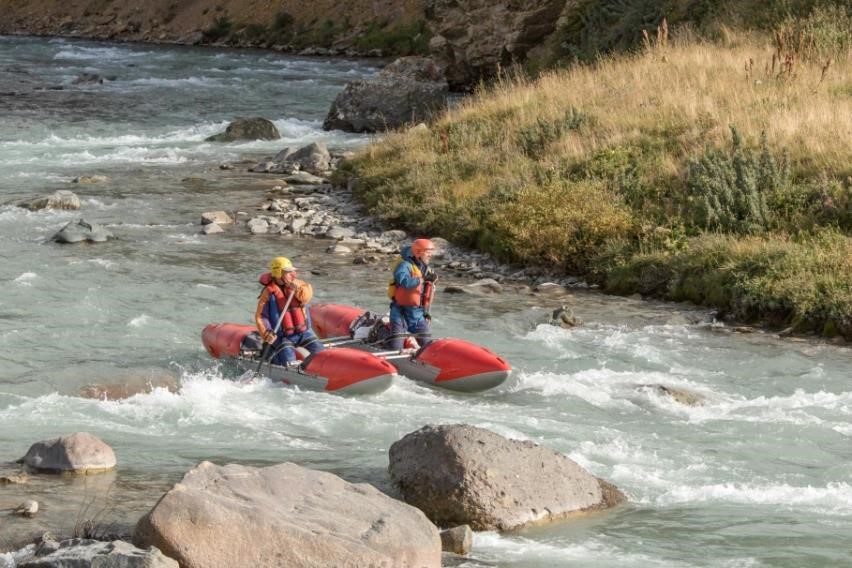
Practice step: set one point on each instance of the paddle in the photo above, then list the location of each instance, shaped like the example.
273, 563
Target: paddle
266, 346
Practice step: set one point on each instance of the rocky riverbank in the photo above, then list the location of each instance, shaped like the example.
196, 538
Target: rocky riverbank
288, 515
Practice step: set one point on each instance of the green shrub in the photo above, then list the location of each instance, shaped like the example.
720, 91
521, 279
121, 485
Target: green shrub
220, 29
730, 189
401, 39
535, 138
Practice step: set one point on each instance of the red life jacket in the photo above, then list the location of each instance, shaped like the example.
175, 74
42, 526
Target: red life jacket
294, 320
407, 297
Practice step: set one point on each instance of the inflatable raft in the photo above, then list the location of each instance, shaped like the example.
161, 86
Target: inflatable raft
340, 370
448, 363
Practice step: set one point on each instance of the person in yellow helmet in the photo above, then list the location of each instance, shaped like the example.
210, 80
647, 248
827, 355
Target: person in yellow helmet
285, 297
410, 293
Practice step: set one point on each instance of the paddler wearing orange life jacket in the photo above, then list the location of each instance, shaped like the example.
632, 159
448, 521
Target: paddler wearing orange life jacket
411, 292
295, 330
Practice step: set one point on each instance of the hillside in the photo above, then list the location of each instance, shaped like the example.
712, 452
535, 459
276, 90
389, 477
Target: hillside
359, 25
715, 172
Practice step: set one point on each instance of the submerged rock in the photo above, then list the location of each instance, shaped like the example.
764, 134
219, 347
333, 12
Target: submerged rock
28, 508
83, 180
80, 453
460, 474
61, 199
285, 515
678, 394
247, 129
80, 230
563, 316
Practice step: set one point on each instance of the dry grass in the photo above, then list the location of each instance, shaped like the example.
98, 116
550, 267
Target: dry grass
586, 167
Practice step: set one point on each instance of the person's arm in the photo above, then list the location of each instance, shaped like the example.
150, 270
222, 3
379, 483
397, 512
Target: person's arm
407, 275
303, 291
260, 321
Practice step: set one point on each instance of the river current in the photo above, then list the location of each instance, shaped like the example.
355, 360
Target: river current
759, 475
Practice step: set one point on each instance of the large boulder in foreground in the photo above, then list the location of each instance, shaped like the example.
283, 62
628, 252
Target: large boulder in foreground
61, 199
80, 453
247, 129
409, 90
473, 38
285, 515
79, 552
82, 231
460, 474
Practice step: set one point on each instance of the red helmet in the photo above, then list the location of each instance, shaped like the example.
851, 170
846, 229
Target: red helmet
420, 246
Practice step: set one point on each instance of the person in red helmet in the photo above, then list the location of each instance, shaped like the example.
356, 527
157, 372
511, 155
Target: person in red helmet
411, 292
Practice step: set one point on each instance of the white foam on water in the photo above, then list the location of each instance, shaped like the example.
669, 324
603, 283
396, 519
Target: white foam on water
139, 321
99, 54
128, 155
494, 547
202, 81
797, 408
25, 278
835, 498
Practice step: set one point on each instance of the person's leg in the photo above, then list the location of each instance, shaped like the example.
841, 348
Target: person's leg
398, 329
284, 352
417, 324
422, 331
311, 342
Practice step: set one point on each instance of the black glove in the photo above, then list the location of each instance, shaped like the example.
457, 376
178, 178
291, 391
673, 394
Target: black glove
430, 275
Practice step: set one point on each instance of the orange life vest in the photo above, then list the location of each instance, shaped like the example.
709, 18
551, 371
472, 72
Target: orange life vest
407, 297
294, 321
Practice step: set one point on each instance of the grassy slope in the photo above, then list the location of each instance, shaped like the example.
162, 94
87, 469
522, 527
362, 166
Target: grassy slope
597, 170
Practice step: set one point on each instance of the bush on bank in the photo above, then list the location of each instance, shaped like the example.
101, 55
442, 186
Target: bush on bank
720, 174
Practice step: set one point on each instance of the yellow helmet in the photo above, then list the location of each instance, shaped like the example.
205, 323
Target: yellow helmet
280, 265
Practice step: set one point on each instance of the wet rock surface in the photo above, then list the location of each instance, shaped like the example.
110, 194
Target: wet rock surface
460, 474
80, 553
80, 453
60, 199
82, 231
255, 128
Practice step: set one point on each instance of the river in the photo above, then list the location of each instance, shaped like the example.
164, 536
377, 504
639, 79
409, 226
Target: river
759, 475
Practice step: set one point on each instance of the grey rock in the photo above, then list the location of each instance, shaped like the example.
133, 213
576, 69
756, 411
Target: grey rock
80, 230
28, 508
472, 39
678, 394
411, 89
89, 179
218, 217
87, 79
297, 224
563, 316
285, 515
460, 474
60, 199
394, 235
84, 553
338, 232
457, 540
258, 226
212, 229
338, 249
304, 178
79, 452
313, 158
247, 129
